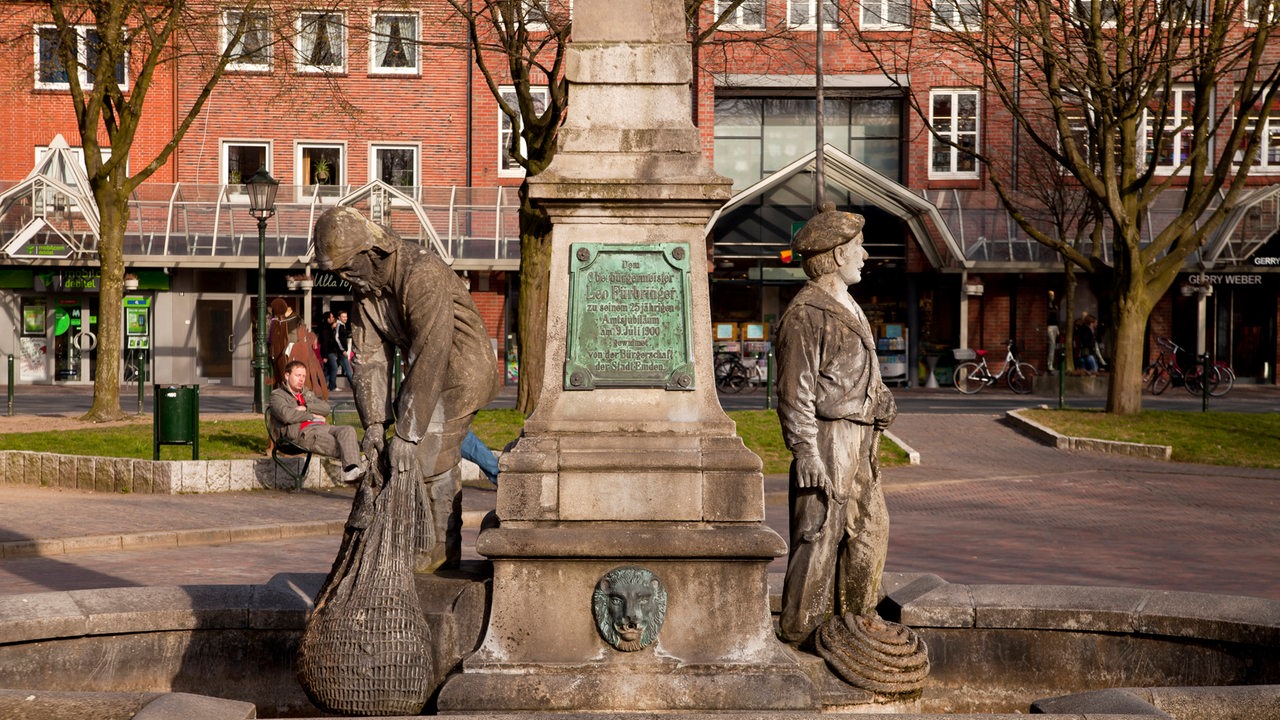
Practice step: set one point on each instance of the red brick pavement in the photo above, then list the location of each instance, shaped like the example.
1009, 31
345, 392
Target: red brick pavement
986, 505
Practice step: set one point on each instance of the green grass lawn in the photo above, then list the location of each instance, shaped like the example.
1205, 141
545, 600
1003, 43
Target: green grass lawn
1214, 438
232, 439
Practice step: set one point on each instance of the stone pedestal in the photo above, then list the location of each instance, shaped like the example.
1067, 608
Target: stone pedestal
619, 466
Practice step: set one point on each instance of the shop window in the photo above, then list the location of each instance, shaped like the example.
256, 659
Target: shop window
509, 133
396, 165
541, 15
251, 51
953, 143
240, 160
394, 45
321, 45
747, 16
52, 72
1107, 11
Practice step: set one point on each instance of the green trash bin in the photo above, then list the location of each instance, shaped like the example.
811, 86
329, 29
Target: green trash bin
176, 420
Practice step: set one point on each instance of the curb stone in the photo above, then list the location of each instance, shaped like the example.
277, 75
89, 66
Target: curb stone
1053, 438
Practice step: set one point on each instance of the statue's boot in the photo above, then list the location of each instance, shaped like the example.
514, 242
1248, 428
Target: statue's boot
440, 523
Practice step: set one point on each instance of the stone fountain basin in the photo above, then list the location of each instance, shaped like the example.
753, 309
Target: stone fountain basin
995, 649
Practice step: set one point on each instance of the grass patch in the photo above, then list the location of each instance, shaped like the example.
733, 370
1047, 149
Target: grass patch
238, 439
1212, 438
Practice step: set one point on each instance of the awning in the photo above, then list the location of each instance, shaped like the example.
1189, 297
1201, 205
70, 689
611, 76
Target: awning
920, 215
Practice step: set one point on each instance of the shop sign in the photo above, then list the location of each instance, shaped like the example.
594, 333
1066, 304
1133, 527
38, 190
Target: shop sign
1266, 261
1226, 279
89, 279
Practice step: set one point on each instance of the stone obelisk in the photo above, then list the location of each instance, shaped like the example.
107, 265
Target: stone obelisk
630, 568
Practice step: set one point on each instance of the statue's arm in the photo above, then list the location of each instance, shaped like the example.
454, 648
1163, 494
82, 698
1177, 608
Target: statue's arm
428, 308
799, 360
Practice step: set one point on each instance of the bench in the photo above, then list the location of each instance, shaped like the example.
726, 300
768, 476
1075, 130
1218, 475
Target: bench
281, 447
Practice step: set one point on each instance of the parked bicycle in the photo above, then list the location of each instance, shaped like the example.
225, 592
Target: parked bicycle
970, 377
1166, 371
731, 374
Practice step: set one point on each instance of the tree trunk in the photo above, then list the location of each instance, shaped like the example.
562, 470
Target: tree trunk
535, 277
114, 210
1124, 396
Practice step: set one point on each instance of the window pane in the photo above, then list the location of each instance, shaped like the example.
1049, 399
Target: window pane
396, 166
738, 117
321, 41
52, 69
941, 156
879, 154
322, 165
739, 159
243, 161
875, 117
395, 42
255, 43
788, 130
900, 12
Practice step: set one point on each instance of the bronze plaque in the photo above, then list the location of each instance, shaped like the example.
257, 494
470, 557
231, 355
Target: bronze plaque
629, 317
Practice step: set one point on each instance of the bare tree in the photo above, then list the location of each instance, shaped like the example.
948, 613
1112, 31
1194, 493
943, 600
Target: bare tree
112, 54
519, 49
1132, 100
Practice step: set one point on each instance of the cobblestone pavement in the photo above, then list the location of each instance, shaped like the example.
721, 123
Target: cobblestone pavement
985, 506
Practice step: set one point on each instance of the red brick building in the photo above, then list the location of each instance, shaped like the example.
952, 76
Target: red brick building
382, 107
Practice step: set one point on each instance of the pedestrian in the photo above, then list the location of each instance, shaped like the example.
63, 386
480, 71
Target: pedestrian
1086, 340
299, 416
474, 449
342, 338
329, 349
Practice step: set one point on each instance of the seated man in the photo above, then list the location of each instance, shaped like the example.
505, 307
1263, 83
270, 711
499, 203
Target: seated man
298, 416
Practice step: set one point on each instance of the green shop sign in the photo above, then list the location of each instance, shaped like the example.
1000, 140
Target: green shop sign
629, 317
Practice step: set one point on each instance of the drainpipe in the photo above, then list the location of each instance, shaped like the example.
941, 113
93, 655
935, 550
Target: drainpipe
820, 155
471, 39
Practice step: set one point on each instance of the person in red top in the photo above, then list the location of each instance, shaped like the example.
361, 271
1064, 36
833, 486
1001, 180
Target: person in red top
298, 416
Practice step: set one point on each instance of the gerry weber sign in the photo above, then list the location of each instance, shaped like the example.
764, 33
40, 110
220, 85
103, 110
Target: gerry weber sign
1228, 278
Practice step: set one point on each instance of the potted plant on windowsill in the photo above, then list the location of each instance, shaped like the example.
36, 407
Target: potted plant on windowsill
130, 281
320, 171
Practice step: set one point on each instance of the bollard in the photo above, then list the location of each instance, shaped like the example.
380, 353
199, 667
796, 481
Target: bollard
1204, 382
10, 384
1062, 379
142, 377
768, 381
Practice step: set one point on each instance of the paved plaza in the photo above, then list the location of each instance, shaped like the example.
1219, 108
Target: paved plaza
985, 505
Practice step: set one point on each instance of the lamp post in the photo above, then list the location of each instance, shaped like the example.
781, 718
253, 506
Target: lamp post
262, 205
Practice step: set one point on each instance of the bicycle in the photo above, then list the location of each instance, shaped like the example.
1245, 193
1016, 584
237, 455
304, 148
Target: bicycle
1166, 371
731, 374
970, 377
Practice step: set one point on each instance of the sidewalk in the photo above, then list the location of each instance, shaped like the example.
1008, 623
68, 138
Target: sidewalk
985, 506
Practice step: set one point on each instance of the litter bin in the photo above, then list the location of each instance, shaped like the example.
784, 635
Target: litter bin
176, 420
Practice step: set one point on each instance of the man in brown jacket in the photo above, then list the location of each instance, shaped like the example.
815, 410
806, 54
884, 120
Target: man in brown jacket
407, 298
832, 405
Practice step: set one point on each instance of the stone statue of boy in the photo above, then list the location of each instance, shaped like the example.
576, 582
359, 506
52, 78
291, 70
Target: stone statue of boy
407, 298
833, 406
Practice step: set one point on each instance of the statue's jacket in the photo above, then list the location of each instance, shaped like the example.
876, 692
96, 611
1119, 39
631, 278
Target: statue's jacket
425, 310
827, 368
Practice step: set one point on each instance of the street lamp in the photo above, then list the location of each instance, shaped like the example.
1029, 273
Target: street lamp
262, 205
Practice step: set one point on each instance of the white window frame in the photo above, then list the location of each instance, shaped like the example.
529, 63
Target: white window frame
506, 128
883, 10
376, 43
738, 19
303, 178
224, 161
543, 8
966, 15
954, 134
830, 18
1252, 11
1172, 122
375, 169
302, 47
1270, 138
228, 28
82, 59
